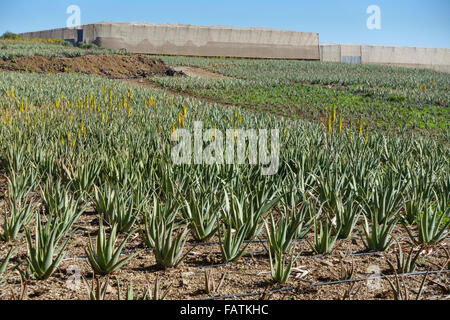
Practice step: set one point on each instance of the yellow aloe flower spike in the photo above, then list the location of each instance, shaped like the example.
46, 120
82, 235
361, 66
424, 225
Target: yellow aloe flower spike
329, 123
334, 114
340, 123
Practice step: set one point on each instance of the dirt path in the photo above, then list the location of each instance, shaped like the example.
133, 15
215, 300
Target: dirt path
195, 72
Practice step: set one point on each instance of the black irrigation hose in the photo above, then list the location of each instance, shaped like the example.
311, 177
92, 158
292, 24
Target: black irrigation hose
193, 244
359, 254
320, 284
379, 277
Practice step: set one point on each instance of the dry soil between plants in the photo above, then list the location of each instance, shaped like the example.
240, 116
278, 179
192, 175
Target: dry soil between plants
247, 275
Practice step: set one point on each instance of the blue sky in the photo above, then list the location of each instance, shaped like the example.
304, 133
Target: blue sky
403, 22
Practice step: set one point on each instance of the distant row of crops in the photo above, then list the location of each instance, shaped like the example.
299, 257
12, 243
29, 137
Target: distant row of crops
314, 102
14, 47
415, 85
71, 141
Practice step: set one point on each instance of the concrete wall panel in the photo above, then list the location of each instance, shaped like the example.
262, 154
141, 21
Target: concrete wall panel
64, 33
411, 57
204, 41
405, 55
350, 51
330, 53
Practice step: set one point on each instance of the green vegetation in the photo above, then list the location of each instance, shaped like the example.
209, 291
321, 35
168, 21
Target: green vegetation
69, 142
390, 99
12, 48
10, 36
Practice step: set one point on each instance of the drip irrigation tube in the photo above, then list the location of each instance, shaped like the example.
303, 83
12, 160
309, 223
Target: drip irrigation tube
320, 284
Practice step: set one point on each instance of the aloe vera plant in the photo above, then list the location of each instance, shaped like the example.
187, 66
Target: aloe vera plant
378, 236
347, 216
98, 289
84, 176
281, 265
432, 228
104, 201
385, 202
160, 212
247, 210
169, 244
281, 235
231, 242
200, 212
323, 239
57, 199
129, 294
62, 206
20, 185
104, 257
15, 157
419, 192
18, 217
4, 264
300, 210
164, 236
154, 294
46, 252
405, 263
119, 207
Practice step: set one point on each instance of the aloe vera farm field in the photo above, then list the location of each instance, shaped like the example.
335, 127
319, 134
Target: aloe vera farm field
92, 205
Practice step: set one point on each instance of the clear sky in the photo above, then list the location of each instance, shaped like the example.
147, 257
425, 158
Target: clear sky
403, 22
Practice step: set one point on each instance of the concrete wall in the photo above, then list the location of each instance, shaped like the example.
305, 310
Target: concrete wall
198, 41
62, 33
429, 58
330, 53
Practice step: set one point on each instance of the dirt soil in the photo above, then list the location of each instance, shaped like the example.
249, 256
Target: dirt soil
111, 66
250, 274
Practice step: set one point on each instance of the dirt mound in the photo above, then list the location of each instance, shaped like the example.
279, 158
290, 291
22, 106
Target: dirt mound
111, 66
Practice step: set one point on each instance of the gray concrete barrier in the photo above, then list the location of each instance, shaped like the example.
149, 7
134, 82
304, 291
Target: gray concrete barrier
195, 40
437, 59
